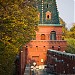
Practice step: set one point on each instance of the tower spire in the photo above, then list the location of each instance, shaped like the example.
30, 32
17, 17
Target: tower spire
48, 12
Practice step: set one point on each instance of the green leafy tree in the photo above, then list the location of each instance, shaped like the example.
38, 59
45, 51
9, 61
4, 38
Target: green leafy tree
70, 45
71, 40
72, 31
65, 31
18, 21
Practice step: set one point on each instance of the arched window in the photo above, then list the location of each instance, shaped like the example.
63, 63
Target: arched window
47, 5
47, 16
42, 36
53, 35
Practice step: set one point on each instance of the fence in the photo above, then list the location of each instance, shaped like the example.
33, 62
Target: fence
61, 62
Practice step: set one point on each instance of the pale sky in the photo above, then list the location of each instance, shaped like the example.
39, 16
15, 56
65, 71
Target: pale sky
66, 10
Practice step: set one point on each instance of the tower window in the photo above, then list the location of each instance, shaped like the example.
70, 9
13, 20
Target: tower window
47, 16
53, 35
42, 36
47, 5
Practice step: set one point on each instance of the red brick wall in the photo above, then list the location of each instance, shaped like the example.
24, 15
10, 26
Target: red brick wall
37, 49
47, 30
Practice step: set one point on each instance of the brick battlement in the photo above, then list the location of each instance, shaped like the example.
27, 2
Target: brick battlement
47, 44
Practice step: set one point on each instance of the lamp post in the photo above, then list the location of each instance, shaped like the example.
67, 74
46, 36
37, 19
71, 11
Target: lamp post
34, 63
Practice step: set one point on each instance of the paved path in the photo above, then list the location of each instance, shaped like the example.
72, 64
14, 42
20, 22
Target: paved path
35, 71
40, 72
27, 70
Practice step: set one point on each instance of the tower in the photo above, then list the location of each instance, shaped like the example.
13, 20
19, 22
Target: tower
49, 34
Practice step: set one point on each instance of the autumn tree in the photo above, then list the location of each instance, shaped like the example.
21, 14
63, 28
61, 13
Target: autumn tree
18, 20
70, 45
64, 28
72, 31
71, 40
